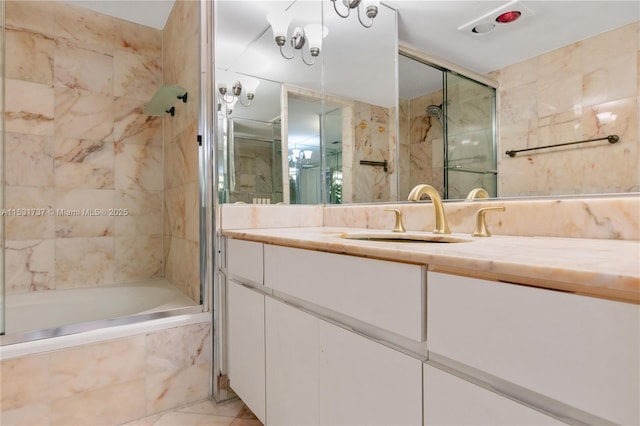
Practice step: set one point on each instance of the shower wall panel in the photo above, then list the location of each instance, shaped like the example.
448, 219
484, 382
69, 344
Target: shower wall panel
181, 65
83, 164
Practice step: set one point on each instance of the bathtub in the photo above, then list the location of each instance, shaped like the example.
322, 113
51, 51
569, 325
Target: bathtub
48, 314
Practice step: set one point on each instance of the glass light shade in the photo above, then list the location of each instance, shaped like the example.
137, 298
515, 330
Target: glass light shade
307, 154
250, 84
279, 22
296, 153
367, 3
315, 33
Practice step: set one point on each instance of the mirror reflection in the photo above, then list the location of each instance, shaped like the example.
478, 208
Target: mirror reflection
396, 132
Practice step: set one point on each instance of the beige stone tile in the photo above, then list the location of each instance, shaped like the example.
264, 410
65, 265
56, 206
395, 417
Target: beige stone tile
180, 418
143, 213
29, 160
29, 415
84, 27
95, 366
32, 16
83, 115
78, 68
136, 76
137, 38
176, 215
29, 266
39, 222
138, 167
84, 213
29, 108
559, 84
133, 126
24, 381
192, 212
29, 57
82, 163
181, 266
170, 388
110, 405
138, 257
84, 262
178, 347
224, 409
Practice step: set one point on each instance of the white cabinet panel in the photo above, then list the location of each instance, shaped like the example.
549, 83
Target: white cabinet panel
292, 365
246, 346
388, 295
579, 350
245, 260
450, 400
365, 383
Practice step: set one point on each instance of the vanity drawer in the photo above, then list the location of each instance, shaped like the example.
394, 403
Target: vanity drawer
388, 295
245, 261
582, 351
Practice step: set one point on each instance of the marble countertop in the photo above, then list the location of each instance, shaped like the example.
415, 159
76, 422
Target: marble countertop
601, 268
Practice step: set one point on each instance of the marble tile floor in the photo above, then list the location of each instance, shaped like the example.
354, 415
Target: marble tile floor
207, 412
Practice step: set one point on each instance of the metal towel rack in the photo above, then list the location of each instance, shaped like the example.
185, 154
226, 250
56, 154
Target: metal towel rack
610, 138
382, 164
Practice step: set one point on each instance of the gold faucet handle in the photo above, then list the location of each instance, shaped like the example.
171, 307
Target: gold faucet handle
481, 226
399, 227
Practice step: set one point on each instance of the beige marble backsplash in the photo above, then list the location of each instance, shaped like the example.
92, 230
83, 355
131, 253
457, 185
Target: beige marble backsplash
616, 217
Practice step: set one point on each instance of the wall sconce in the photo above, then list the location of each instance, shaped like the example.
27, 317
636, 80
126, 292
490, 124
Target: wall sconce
311, 34
298, 155
233, 94
370, 9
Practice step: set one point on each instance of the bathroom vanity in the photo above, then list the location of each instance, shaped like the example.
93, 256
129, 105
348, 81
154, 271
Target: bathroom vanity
501, 330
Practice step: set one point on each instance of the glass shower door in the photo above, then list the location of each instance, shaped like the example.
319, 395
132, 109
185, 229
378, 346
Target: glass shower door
2, 280
470, 149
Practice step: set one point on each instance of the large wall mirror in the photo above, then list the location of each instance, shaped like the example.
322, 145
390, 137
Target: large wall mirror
372, 113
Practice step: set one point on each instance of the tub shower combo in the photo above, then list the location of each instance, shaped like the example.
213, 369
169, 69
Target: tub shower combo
106, 226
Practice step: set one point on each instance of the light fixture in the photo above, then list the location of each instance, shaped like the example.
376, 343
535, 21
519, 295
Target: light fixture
300, 156
311, 34
370, 9
233, 94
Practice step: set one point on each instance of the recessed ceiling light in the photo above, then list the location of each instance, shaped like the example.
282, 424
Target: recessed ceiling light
507, 17
483, 28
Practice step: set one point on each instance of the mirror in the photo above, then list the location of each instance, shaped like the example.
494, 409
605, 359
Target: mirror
605, 88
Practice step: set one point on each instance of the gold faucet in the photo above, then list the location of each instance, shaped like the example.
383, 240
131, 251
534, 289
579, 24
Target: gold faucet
477, 193
481, 226
416, 194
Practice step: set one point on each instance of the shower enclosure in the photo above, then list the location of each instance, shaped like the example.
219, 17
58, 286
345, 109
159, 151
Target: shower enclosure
97, 194
447, 130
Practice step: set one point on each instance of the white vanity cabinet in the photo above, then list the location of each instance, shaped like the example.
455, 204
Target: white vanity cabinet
321, 374
451, 400
246, 345
574, 356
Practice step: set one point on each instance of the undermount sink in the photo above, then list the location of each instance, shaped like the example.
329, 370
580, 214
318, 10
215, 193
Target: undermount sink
403, 237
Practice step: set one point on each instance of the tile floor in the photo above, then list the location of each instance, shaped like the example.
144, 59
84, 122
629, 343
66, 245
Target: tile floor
232, 413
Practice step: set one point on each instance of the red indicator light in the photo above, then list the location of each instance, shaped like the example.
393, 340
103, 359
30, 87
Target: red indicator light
507, 17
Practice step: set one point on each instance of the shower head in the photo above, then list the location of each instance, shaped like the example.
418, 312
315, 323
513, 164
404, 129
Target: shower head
435, 111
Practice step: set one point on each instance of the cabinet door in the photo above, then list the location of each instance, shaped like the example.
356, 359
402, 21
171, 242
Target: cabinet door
292, 365
365, 383
246, 346
450, 400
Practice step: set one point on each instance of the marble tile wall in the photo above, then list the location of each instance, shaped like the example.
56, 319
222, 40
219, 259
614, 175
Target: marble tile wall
76, 138
110, 382
581, 91
372, 142
181, 66
421, 144
256, 173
